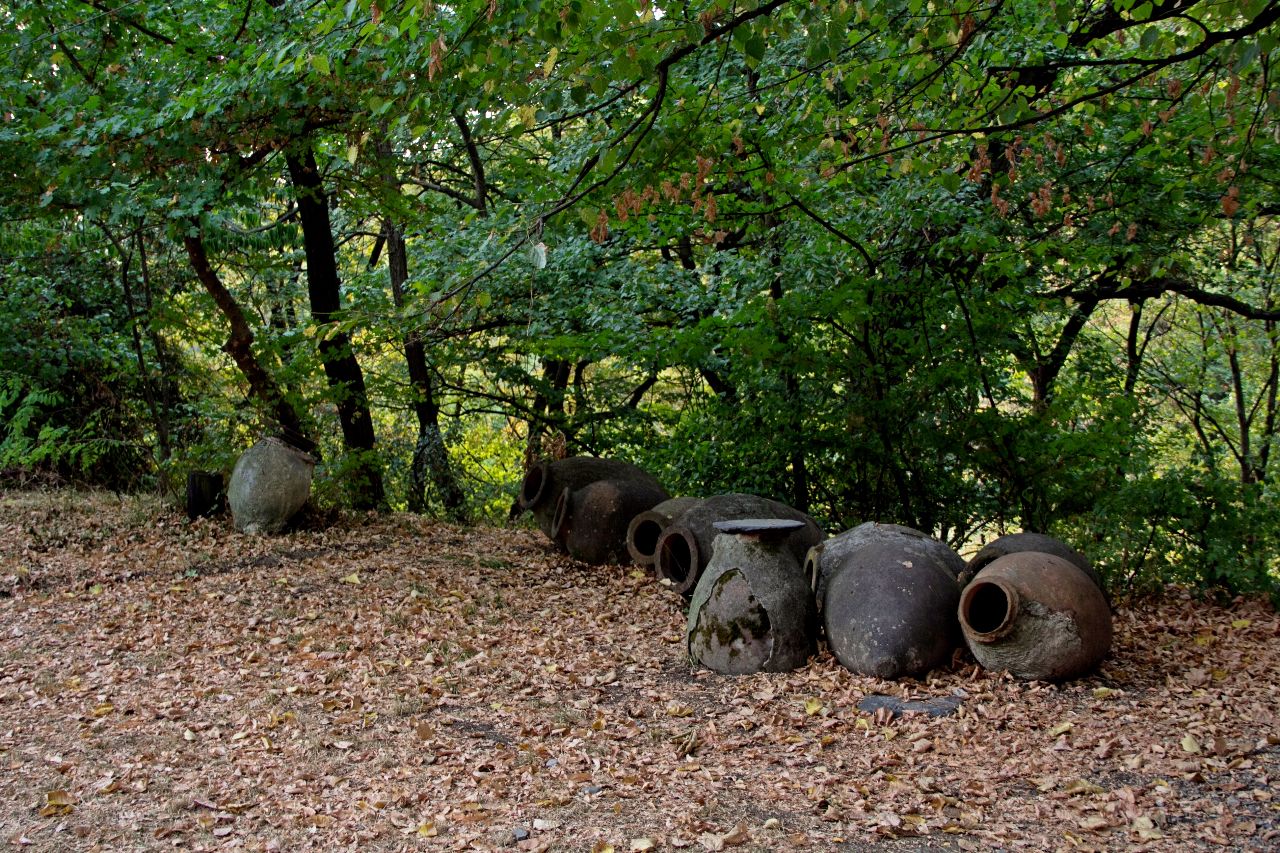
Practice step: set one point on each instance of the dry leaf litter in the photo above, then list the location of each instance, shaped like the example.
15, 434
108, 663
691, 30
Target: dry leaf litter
395, 683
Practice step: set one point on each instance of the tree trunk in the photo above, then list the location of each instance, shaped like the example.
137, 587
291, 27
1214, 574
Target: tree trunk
430, 456
546, 405
346, 380
240, 347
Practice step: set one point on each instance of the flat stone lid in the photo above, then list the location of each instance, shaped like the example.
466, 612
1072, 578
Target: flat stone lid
757, 525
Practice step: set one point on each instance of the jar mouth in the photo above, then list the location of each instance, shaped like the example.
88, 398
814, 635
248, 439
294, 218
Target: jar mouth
533, 488
642, 537
560, 522
678, 558
988, 610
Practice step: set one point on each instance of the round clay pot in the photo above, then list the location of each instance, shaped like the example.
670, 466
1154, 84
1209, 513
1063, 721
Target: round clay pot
544, 482
591, 522
825, 558
1037, 616
890, 609
752, 610
685, 545
1013, 543
645, 529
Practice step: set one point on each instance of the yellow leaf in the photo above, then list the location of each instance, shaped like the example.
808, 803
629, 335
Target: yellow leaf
428, 829
1146, 828
1081, 786
551, 61
812, 706
1242, 623
353, 578
1104, 692
602, 847
59, 797
1060, 729
103, 709
1191, 745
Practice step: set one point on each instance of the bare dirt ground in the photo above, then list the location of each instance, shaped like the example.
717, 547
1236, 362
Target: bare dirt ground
393, 683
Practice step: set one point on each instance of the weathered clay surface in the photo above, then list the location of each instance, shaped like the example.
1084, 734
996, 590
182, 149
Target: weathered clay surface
752, 610
645, 528
1037, 616
591, 522
890, 610
685, 545
1013, 543
270, 483
545, 482
825, 558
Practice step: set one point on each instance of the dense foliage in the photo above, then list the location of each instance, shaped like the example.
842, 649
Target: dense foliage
964, 266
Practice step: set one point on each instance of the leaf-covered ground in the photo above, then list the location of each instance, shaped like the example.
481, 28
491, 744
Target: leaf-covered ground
393, 683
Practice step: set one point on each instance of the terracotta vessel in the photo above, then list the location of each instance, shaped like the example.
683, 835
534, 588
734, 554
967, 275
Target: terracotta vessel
752, 610
1012, 543
543, 483
645, 528
826, 557
890, 609
685, 545
1037, 616
590, 523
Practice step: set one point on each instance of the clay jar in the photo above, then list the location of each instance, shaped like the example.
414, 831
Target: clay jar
752, 610
1037, 616
543, 483
269, 484
645, 528
591, 522
685, 545
1012, 543
825, 558
890, 609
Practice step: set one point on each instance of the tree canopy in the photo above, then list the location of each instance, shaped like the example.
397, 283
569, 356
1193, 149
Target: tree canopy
963, 266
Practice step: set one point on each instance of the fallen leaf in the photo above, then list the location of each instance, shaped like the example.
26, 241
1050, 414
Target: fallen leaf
59, 797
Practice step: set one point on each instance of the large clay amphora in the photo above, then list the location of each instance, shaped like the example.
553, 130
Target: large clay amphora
752, 610
890, 609
1037, 616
